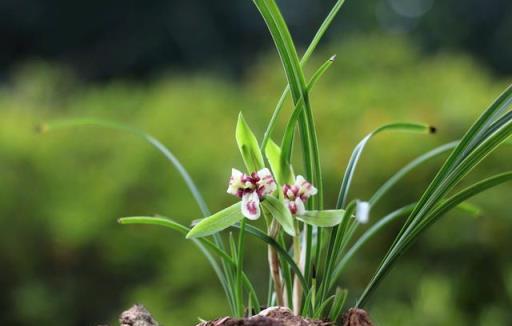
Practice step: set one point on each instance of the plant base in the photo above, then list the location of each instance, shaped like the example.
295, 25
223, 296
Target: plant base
274, 316
137, 315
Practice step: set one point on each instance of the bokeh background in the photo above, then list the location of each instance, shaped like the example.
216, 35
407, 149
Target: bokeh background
182, 70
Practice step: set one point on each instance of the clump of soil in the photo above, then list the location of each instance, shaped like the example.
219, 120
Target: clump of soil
275, 316
137, 315
356, 317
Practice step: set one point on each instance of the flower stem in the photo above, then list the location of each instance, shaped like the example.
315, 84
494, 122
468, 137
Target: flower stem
273, 262
297, 288
239, 268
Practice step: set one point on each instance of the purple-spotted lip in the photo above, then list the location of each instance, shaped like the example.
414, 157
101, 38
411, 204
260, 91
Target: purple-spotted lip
292, 192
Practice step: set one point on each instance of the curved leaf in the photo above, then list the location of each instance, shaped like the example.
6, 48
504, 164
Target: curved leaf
203, 245
282, 252
325, 218
311, 48
408, 168
282, 172
217, 222
356, 154
280, 212
145, 136
248, 145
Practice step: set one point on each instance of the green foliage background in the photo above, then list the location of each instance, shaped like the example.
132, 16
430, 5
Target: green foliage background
64, 259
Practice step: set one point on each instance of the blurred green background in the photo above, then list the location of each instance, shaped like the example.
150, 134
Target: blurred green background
64, 260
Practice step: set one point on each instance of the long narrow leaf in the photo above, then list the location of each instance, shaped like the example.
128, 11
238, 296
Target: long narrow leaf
374, 229
217, 222
202, 243
248, 145
408, 168
287, 142
280, 213
282, 252
324, 218
356, 154
311, 48
54, 125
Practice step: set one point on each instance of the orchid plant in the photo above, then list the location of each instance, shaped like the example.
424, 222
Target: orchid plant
309, 246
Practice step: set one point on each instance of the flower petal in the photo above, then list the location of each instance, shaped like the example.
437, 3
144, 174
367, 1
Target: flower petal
291, 206
306, 189
266, 184
300, 208
235, 182
251, 205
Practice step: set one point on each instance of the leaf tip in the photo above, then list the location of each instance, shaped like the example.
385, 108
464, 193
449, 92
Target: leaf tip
241, 117
333, 58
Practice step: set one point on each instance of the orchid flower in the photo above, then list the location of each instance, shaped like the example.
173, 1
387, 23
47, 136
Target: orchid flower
363, 212
296, 195
251, 189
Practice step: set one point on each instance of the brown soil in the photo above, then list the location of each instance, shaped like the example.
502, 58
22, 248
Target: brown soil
137, 315
276, 316
356, 317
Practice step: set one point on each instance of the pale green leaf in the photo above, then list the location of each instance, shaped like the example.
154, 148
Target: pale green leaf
282, 172
248, 145
280, 212
217, 222
325, 218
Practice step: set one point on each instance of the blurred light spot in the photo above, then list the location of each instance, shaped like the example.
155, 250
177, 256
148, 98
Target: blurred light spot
392, 22
411, 8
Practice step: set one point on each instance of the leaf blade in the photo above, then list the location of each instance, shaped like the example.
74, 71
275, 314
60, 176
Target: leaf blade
323, 218
280, 213
217, 222
248, 146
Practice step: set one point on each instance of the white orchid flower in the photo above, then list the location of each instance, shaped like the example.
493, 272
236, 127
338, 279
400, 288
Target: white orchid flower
363, 211
296, 195
251, 189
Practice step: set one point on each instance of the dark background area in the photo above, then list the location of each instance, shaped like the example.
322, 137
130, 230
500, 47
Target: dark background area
105, 39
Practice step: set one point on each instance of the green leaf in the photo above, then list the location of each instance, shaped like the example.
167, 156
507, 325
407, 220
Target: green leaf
248, 145
311, 48
217, 222
295, 76
204, 245
325, 218
356, 154
408, 168
282, 172
339, 302
292, 121
280, 212
283, 253
374, 229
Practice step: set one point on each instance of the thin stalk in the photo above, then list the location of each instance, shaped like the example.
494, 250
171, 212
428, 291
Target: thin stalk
287, 276
239, 268
334, 250
273, 262
297, 287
